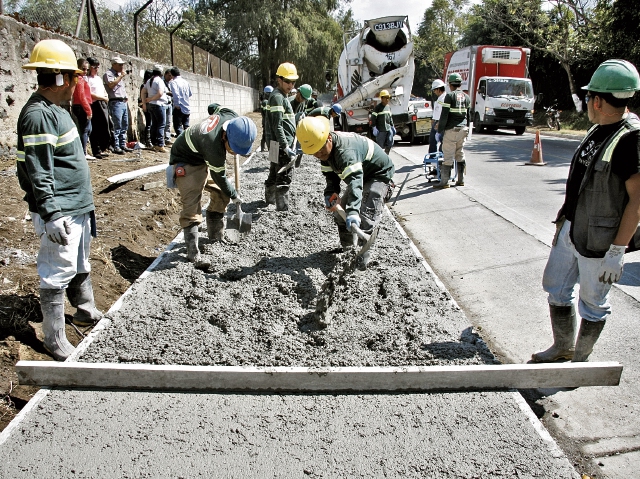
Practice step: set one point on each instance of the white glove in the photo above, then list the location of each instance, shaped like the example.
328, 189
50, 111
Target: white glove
611, 266
375, 131
237, 200
291, 153
57, 231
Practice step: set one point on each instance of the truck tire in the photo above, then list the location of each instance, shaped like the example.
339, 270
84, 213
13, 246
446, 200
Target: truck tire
478, 127
520, 129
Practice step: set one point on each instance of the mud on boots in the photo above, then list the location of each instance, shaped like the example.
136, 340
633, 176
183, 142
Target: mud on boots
563, 326
445, 175
55, 337
282, 198
587, 337
215, 225
193, 253
80, 295
462, 166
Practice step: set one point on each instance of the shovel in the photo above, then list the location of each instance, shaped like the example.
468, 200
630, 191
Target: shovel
240, 222
368, 239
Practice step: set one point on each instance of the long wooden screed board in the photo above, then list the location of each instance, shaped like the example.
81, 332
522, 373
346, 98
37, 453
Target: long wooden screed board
301, 379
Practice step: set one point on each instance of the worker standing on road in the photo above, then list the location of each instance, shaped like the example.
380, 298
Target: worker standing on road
312, 103
264, 108
361, 164
382, 120
329, 112
453, 125
53, 172
437, 87
599, 218
199, 160
280, 128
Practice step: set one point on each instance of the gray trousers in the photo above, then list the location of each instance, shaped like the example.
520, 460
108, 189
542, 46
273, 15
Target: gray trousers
372, 206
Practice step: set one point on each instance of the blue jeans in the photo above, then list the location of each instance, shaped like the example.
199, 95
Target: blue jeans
384, 139
566, 268
84, 126
168, 114
180, 121
120, 117
158, 120
433, 144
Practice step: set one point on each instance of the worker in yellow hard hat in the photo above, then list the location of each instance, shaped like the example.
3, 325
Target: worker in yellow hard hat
54, 174
361, 164
382, 122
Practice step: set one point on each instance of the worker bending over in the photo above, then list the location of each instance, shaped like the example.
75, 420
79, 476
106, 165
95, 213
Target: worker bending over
328, 112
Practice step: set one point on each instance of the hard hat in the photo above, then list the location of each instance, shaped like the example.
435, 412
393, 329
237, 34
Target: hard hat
54, 55
312, 133
294, 91
455, 79
268, 89
117, 60
337, 108
384, 93
618, 77
305, 91
288, 71
241, 133
437, 84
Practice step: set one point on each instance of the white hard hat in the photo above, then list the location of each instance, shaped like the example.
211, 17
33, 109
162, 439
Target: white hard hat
437, 84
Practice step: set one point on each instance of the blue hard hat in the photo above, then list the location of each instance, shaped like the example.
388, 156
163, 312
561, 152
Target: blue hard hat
337, 108
268, 89
241, 133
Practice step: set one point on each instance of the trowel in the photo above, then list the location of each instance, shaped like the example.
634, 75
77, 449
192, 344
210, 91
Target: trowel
368, 239
240, 222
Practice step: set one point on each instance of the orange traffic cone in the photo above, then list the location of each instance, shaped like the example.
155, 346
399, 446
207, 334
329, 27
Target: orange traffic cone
536, 154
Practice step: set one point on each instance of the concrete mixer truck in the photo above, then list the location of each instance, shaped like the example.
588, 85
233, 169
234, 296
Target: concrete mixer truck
379, 57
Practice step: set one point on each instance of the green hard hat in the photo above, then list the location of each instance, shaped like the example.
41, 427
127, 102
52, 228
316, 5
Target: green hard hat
455, 78
618, 77
305, 91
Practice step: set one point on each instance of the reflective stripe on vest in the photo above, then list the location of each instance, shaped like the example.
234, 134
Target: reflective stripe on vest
187, 137
358, 166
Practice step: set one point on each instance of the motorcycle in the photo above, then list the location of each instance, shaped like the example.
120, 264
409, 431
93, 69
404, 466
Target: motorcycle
553, 117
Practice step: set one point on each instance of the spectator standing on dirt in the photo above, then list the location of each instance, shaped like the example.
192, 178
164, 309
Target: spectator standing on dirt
198, 158
361, 164
145, 110
181, 91
598, 221
81, 106
100, 122
118, 107
157, 101
382, 120
264, 108
438, 92
280, 128
169, 108
329, 112
453, 125
54, 175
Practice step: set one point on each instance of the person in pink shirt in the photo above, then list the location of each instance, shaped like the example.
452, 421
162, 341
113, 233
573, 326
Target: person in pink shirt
81, 106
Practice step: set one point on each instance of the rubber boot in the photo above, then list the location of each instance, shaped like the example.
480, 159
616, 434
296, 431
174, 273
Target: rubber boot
387, 151
563, 325
193, 253
55, 338
346, 238
461, 167
363, 259
587, 337
80, 295
270, 194
282, 198
445, 174
263, 145
215, 225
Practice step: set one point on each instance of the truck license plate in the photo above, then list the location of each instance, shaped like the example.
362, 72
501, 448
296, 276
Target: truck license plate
510, 121
423, 126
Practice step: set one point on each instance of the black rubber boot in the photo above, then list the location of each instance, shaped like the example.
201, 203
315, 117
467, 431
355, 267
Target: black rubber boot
215, 225
193, 253
282, 198
80, 295
563, 325
55, 337
347, 240
462, 165
587, 337
445, 174
270, 194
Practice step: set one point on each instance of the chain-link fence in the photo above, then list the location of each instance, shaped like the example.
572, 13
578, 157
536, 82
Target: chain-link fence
115, 27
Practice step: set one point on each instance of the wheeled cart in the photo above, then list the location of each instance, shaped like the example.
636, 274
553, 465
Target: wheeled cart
432, 163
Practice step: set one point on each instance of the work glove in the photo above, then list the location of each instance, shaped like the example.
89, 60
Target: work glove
290, 152
375, 131
330, 201
58, 231
393, 131
353, 220
611, 266
439, 137
237, 200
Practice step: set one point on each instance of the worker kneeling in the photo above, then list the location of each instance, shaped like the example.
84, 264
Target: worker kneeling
198, 161
364, 167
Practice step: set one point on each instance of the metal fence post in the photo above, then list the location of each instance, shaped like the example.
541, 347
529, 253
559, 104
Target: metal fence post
135, 25
171, 32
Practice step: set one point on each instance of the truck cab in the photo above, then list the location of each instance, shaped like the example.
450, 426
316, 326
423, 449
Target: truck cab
503, 102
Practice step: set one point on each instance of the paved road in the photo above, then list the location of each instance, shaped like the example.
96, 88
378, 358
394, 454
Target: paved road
488, 242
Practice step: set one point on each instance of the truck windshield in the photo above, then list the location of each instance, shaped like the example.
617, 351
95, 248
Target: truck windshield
509, 87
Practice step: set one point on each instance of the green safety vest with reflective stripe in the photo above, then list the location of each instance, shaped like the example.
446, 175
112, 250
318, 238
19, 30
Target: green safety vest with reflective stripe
311, 105
280, 125
455, 110
51, 165
381, 117
354, 159
602, 196
202, 143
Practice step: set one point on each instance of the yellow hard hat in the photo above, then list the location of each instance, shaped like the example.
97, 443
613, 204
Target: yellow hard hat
312, 133
54, 55
384, 93
288, 71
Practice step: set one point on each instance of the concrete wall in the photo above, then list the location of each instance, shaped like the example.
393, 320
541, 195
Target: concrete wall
16, 85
